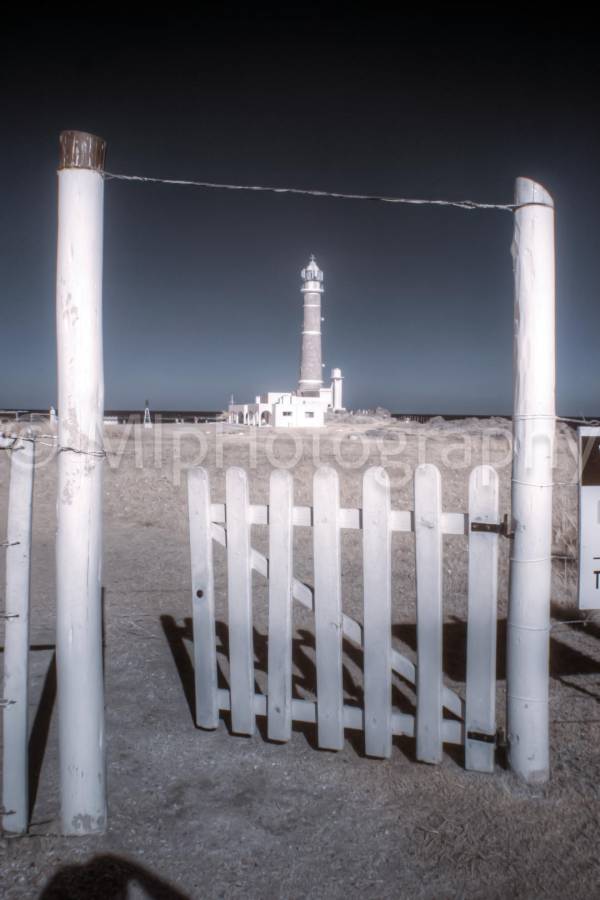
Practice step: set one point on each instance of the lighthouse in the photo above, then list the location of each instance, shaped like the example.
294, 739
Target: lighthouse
311, 375
309, 406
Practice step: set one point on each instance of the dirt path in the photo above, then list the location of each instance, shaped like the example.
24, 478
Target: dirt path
208, 815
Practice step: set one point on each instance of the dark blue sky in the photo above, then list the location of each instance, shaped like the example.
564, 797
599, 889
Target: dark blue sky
201, 291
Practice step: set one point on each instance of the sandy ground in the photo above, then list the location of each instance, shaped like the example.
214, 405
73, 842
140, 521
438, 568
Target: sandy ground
207, 814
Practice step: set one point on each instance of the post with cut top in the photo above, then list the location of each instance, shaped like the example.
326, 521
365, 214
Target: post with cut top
533, 445
80, 464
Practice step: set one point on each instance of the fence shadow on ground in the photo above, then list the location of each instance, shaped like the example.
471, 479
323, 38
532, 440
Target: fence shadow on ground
304, 683
564, 661
40, 727
107, 877
38, 737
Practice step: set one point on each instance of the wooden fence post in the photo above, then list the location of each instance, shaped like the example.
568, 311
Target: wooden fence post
328, 608
533, 440
281, 573
80, 463
239, 602
15, 769
203, 600
480, 706
377, 579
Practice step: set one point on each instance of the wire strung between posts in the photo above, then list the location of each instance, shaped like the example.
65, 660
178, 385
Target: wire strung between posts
37, 439
47, 440
560, 622
305, 192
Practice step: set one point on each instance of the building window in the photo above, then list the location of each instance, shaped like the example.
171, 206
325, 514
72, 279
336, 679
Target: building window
286, 413
309, 415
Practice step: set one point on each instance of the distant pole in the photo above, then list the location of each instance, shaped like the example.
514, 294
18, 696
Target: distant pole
15, 768
533, 443
80, 463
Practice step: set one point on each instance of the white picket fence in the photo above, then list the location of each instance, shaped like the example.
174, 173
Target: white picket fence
474, 722
14, 699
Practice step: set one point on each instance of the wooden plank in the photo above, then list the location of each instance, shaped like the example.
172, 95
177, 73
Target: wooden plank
303, 516
428, 549
217, 512
377, 615
453, 731
402, 520
259, 515
15, 767
328, 609
454, 523
239, 600
451, 523
306, 711
350, 518
403, 723
480, 715
203, 599
281, 502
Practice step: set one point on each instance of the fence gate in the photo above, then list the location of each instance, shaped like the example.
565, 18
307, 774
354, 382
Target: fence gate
473, 720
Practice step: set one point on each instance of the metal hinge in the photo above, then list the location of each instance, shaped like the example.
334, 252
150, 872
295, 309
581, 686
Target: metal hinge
502, 528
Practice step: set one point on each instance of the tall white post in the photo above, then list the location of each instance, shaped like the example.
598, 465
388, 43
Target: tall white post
80, 463
533, 441
15, 769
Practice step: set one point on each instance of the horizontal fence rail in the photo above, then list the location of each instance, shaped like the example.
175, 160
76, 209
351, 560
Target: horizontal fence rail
471, 723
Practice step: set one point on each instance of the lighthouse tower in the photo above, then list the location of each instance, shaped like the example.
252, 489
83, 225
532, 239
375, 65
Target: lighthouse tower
311, 375
307, 407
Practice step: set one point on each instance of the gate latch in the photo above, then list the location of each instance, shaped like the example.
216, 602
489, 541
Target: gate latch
502, 528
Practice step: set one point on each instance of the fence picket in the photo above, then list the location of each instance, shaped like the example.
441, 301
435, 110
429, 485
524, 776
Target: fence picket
377, 613
203, 599
428, 544
279, 706
239, 602
328, 609
15, 762
480, 714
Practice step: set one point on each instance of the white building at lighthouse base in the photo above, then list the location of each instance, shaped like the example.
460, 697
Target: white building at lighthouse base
283, 410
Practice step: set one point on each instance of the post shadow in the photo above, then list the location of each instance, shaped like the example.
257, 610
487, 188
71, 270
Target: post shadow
566, 660
107, 877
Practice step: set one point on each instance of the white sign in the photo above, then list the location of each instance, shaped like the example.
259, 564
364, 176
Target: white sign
589, 517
